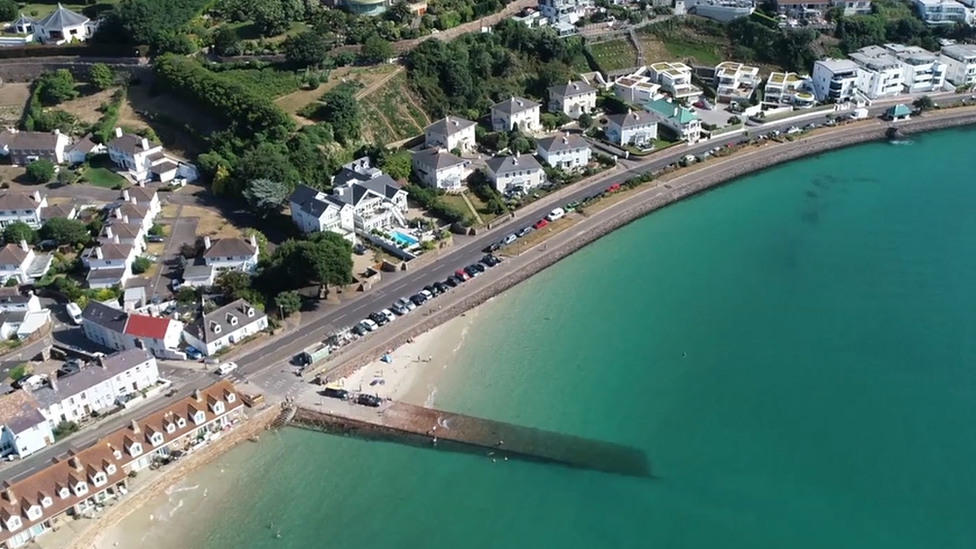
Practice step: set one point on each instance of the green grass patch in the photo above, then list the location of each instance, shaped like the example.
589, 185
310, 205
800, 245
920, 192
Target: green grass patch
702, 53
247, 30
613, 55
103, 177
268, 83
40, 9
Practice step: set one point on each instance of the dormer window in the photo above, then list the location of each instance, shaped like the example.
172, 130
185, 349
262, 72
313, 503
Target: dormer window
47, 502
170, 428
181, 423
215, 327
13, 523
231, 319
34, 512
80, 489
117, 454
99, 478
135, 449
156, 439
250, 312
111, 469
64, 493
231, 397
218, 407
199, 417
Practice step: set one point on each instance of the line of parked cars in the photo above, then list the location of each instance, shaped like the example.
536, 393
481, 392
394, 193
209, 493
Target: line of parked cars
404, 305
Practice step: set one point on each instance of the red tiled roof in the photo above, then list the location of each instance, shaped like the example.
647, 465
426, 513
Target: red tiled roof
146, 326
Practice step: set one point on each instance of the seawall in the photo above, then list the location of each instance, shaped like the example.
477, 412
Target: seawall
639, 203
256, 422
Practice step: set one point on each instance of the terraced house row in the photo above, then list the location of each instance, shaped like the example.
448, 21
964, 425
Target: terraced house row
81, 482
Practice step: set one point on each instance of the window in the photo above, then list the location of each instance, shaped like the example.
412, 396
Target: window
13, 523
110, 469
156, 439
181, 423
135, 449
118, 455
218, 407
64, 493
231, 398
99, 478
34, 512
170, 428
198, 417
81, 488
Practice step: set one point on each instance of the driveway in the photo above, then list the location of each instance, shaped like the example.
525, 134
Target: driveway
180, 230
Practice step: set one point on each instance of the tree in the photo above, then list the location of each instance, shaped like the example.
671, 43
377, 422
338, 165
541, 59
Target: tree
270, 17
8, 10
17, 231
141, 265
57, 87
65, 231
395, 164
233, 284
266, 195
924, 103
187, 295
41, 170
324, 258
375, 50
226, 42
307, 49
67, 177
341, 110
173, 42
101, 76
585, 121
288, 303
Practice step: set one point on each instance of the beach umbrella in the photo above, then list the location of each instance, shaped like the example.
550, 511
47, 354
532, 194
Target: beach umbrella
387, 359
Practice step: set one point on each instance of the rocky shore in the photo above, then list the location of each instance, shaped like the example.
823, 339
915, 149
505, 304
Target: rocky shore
643, 201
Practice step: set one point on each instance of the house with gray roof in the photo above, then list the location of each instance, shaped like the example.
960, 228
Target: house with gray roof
451, 132
515, 113
568, 151
25, 207
19, 262
440, 169
79, 150
25, 147
572, 98
97, 387
631, 128
231, 254
23, 429
224, 327
519, 172
314, 211
378, 201
63, 26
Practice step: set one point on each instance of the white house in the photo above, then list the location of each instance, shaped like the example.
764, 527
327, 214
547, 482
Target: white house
224, 327
21, 324
835, 80
231, 254
314, 211
881, 73
682, 121
675, 79
735, 81
572, 98
451, 132
377, 200
109, 263
11, 300
960, 61
19, 262
79, 150
144, 160
942, 12
568, 152
97, 387
440, 169
23, 429
565, 11
631, 128
131, 212
853, 7
26, 147
922, 71
720, 10
636, 89
119, 231
199, 276
515, 113
119, 330
141, 194
23, 207
63, 26
519, 172
788, 88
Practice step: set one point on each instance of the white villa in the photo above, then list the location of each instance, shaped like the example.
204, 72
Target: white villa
568, 152
519, 172
631, 128
224, 327
943, 12
59, 27
440, 169
515, 112
881, 73
451, 132
675, 79
682, 121
146, 161
109, 263
314, 211
788, 88
119, 330
960, 62
835, 80
568, 12
25, 147
19, 262
922, 71
231, 254
377, 200
735, 81
23, 207
572, 98
23, 429
636, 88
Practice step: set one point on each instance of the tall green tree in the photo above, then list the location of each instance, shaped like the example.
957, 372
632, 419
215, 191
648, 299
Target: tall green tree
266, 196
17, 231
226, 42
341, 110
57, 87
41, 171
101, 76
270, 17
307, 49
8, 10
65, 231
288, 303
375, 50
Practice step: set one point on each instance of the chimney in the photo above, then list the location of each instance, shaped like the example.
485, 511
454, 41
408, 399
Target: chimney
206, 243
57, 131
52, 380
8, 493
140, 344
133, 200
73, 461
100, 361
118, 213
24, 246
125, 195
197, 395
118, 132
455, 122
37, 196
254, 241
134, 427
125, 219
108, 232
141, 183
98, 252
145, 144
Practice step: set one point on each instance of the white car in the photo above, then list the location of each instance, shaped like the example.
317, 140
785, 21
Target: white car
369, 324
556, 214
74, 311
407, 304
388, 314
226, 368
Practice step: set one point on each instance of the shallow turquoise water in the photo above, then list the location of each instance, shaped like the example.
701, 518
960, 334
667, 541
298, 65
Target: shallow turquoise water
794, 352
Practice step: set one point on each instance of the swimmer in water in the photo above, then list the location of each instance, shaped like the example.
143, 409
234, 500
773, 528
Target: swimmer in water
278, 534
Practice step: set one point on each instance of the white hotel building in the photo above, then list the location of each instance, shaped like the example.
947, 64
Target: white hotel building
960, 61
881, 73
921, 69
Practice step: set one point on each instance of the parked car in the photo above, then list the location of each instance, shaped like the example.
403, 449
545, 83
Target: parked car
452, 281
193, 353
399, 309
493, 247
441, 287
471, 271
509, 238
613, 188
226, 368
369, 324
156, 238
74, 311
427, 294
388, 314
540, 224
379, 318
418, 299
432, 289
489, 260
359, 329
479, 267
407, 304
462, 275
523, 232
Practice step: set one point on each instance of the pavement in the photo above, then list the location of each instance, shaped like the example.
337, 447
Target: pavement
268, 368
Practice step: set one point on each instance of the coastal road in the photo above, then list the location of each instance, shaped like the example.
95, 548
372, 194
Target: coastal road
259, 363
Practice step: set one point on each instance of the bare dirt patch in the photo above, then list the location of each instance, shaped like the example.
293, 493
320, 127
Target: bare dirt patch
13, 98
180, 125
86, 108
211, 223
366, 76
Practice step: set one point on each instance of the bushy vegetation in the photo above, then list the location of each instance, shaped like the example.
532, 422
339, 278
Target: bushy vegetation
268, 83
157, 23
430, 200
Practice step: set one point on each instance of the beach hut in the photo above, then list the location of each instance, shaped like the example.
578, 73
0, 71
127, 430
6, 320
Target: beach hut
898, 112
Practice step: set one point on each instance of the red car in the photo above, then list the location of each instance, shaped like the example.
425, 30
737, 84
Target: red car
462, 275
540, 224
613, 188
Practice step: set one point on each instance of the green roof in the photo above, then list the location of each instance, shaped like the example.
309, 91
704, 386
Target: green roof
674, 111
899, 110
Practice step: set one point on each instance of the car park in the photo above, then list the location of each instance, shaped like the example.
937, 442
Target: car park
462, 275
540, 224
523, 232
509, 238
441, 287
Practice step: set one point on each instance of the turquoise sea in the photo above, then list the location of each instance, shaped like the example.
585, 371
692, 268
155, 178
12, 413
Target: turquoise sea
794, 351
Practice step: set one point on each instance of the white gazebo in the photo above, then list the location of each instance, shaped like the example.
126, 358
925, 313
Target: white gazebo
62, 26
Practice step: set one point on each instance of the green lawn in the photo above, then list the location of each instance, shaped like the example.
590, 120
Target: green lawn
247, 30
41, 8
103, 177
613, 55
703, 53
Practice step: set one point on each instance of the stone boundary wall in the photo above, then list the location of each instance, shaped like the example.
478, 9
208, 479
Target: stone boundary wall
27, 70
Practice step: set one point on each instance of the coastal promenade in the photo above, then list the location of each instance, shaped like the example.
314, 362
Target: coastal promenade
272, 357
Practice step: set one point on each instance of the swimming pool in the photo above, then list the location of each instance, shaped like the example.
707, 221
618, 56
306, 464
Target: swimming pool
403, 239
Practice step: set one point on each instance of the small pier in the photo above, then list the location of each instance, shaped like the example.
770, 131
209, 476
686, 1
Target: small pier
448, 431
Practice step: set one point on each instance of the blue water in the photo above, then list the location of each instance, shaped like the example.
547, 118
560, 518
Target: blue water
402, 239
